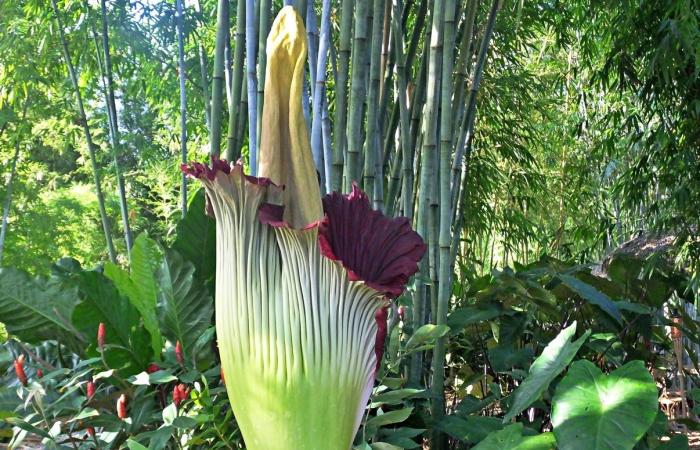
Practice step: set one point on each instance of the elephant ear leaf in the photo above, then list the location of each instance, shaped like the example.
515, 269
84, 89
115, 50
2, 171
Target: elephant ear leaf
512, 438
37, 309
185, 308
594, 411
139, 285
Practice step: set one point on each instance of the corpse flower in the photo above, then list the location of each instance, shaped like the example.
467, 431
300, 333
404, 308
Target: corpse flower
302, 284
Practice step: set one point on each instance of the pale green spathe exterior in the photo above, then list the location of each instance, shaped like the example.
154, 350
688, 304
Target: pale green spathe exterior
296, 337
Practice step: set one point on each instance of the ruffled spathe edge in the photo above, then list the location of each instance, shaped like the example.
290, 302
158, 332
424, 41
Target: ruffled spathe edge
380, 251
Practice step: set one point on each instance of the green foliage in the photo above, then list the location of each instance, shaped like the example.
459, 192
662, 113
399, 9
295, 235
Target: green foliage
102, 303
591, 410
196, 238
185, 308
511, 438
554, 358
139, 285
36, 309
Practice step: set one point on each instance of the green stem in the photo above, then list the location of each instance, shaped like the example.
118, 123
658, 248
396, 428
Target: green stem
358, 92
88, 135
218, 78
445, 222
8, 199
373, 163
263, 30
180, 22
340, 144
116, 139
251, 33
204, 79
233, 151
319, 99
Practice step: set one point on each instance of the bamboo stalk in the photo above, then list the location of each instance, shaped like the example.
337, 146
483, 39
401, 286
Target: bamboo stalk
467, 125
217, 83
302, 7
228, 61
88, 136
8, 198
445, 235
423, 191
341, 93
386, 32
180, 22
404, 132
320, 103
264, 11
358, 93
327, 137
233, 151
466, 55
372, 141
408, 64
116, 140
431, 183
242, 112
392, 197
315, 111
251, 33
204, 79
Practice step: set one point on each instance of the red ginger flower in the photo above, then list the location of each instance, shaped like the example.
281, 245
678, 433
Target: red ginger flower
121, 407
152, 368
19, 370
39, 373
90, 388
180, 393
101, 333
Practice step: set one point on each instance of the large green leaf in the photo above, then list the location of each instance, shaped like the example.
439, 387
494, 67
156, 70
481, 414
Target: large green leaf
102, 303
553, 360
185, 308
592, 295
196, 238
37, 309
140, 287
461, 318
471, 428
593, 411
427, 334
511, 438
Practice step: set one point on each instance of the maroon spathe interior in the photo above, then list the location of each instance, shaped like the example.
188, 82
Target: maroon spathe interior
376, 249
